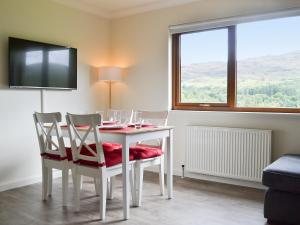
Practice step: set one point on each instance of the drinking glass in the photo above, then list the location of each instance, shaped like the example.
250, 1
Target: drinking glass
126, 116
114, 116
137, 120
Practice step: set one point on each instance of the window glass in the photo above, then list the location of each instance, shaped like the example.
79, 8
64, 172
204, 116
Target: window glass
204, 66
268, 63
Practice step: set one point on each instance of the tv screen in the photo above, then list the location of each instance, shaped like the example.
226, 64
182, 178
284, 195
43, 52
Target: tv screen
40, 65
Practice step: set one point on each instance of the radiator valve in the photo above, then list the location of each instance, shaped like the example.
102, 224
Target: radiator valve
182, 167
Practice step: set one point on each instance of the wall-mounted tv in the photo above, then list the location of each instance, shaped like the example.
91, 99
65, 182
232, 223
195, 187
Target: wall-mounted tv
40, 65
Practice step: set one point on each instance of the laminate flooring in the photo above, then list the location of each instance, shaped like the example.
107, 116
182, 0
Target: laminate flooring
195, 202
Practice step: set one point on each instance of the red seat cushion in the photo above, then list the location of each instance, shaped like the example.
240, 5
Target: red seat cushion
112, 158
69, 153
107, 147
54, 156
142, 151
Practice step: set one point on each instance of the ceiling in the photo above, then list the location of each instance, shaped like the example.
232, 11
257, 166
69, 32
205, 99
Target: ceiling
120, 8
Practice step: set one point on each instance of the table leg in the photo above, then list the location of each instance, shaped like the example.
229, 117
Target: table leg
170, 164
125, 170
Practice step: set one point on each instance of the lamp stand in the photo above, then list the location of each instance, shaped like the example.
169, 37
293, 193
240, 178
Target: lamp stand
109, 103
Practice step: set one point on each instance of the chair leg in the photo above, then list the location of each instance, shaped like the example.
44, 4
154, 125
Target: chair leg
65, 176
44, 181
139, 173
103, 189
97, 188
132, 187
81, 182
50, 177
162, 176
77, 191
110, 186
73, 177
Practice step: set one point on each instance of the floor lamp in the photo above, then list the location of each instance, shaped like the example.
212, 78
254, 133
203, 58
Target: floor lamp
110, 74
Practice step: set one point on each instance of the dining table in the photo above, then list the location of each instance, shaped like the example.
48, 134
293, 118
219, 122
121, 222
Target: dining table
127, 136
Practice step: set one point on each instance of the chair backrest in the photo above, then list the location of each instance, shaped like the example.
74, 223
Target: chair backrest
101, 113
125, 116
50, 138
158, 118
81, 139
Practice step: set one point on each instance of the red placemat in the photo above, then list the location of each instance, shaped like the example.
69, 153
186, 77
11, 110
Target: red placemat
79, 126
143, 125
109, 122
117, 129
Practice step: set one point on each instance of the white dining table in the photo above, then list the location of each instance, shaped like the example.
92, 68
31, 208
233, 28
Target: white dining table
128, 136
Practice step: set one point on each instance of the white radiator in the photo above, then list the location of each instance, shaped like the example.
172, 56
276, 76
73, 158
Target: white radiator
228, 152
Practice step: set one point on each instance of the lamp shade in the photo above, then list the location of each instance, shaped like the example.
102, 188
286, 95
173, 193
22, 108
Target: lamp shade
110, 73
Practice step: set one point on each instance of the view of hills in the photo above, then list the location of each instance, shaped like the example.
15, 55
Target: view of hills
267, 81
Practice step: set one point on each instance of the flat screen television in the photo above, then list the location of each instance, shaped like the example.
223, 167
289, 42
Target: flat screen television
35, 64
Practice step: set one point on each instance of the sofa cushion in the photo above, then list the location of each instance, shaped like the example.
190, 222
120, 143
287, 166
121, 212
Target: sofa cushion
283, 174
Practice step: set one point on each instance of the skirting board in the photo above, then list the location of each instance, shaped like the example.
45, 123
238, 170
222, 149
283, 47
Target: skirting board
26, 181
215, 179
224, 180
57, 173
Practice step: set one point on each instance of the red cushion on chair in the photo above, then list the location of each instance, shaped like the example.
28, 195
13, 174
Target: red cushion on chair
112, 158
69, 153
109, 147
58, 157
142, 151
53, 156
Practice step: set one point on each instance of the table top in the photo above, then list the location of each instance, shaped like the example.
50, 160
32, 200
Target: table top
127, 130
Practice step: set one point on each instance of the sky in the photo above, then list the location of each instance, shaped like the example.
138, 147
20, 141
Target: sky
255, 39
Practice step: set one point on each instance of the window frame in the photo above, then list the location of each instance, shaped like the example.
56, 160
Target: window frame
231, 79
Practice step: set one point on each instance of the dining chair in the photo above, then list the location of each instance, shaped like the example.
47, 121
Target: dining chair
101, 112
149, 153
53, 152
90, 158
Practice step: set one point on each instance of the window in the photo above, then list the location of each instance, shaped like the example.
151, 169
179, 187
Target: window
200, 82
252, 66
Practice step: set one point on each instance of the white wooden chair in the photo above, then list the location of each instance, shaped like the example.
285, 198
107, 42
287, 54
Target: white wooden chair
101, 114
149, 153
90, 159
53, 152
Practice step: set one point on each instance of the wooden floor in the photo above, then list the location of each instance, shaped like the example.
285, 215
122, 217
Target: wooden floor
195, 202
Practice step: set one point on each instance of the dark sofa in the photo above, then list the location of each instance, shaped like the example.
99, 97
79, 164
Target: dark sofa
282, 199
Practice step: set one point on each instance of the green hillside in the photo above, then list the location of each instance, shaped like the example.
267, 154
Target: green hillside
268, 81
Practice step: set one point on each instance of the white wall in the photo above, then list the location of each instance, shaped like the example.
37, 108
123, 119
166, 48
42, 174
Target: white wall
140, 42
49, 22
